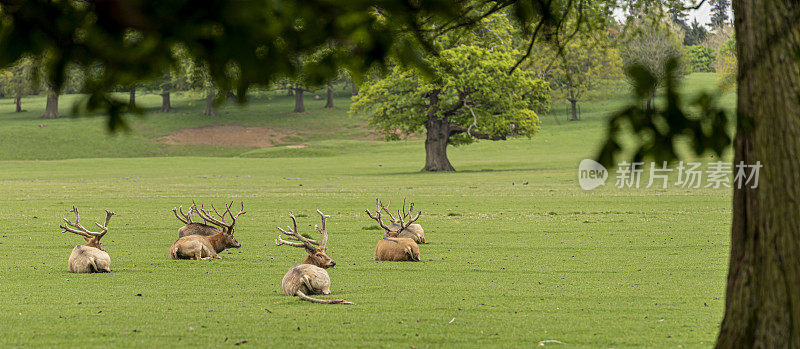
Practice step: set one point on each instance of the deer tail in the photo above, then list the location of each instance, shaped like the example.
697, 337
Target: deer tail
303, 296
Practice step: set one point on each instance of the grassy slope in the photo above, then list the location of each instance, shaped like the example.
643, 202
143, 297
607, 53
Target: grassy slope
512, 264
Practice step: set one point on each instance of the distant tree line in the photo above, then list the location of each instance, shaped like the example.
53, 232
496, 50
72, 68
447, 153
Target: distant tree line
26, 77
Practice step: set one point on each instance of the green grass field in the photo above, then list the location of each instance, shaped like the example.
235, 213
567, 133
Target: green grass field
518, 253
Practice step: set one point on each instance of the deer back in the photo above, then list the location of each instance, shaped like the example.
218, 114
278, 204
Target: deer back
198, 229
397, 249
301, 276
88, 259
413, 231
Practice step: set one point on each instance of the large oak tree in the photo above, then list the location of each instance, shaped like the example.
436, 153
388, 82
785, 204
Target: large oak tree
467, 95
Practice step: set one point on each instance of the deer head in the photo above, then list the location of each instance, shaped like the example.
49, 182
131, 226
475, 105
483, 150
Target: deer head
92, 238
225, 227
403, 220
316, 250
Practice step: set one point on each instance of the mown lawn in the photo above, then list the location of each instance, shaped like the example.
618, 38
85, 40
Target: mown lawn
518, 252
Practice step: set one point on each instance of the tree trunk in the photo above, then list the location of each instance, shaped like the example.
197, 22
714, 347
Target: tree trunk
289, 90
166, 106
210, 109
354, 92
438, 132
329, 97
762, 300
18, 103
51, 108
574, 110
299, 107
132, 98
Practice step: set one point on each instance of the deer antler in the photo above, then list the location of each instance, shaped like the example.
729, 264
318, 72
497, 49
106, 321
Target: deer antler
77, 228
292, 234
323, 231
378, 208
409, 215
386, 209
208, 218
104, 227
222, 216
187, 218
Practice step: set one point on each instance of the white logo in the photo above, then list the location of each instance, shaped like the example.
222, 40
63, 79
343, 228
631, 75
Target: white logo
591, 174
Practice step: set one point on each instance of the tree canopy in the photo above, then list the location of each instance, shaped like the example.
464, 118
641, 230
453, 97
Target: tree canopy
242, 43
469, 94
587, 62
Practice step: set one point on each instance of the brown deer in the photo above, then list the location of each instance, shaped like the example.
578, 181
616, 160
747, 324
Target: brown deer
391, 247
92, 256
413, 231
207, 247
190, 227
309, 277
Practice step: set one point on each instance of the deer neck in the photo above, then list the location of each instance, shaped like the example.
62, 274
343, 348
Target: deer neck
216, 242
311, 261
92, 243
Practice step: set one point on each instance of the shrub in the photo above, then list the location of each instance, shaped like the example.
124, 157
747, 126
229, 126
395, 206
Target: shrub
700, 58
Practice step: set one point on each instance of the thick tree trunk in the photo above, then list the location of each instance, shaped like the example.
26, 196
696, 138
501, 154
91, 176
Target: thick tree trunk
438, 132
210, 109
329, 97
574, 109
132, 97
354, 91
299, 107
18, 103
762, 300
51, 108
166, 106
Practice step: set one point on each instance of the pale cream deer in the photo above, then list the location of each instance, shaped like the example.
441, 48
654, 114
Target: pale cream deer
309, 277
92, 256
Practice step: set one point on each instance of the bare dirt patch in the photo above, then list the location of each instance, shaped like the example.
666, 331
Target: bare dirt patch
225, 136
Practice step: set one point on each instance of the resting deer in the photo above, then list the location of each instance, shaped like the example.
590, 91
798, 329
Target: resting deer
391, 247
309, 277
190, 227
413, 231
207, 247
90, 257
